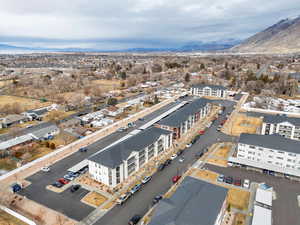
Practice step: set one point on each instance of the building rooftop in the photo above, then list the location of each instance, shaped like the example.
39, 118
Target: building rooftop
114, 155
261, 216
181, 115
274, 141
264, 196
215, 87
279, 119
195, 202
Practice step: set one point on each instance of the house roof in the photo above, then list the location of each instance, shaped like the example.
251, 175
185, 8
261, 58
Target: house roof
279, 119
15, 141
13, 118
114, 155
215, 87
38, 112
195, 202
182, 114
274, 141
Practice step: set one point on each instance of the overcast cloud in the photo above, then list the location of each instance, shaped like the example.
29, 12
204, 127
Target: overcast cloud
117, 24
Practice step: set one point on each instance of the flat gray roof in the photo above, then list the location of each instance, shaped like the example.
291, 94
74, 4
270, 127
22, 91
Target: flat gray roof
195, 202
215, 87
114, 155
279, 119
181, 115
274, 141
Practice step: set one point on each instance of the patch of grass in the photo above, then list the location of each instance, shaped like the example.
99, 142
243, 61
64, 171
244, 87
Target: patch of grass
7, 219
240, 219
222, 152
238, 198
206, 175
108, 205
7, 164
242, 123
218, 162
94, 199
25, 103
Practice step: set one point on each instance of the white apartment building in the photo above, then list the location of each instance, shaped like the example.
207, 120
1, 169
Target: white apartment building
116, 163
288, 127
272, 153
209, 90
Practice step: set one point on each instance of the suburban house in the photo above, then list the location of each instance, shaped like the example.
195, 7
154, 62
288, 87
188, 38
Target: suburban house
116, 163
41, 131
182, 120
12, 119
112, 111
209, 90
270, 153
36, 114
194, 202
288, 127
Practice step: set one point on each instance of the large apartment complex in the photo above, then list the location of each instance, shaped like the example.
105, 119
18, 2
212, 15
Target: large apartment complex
194, 202
182, 120
285, 126
116, 163
272, 153
209, 90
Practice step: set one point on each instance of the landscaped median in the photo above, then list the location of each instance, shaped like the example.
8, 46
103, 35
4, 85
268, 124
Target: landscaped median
94, 199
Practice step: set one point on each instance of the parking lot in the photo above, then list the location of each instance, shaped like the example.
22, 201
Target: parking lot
285, 208
66, 202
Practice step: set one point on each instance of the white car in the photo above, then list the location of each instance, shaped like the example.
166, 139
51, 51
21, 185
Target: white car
146, 179
181, 159
246, 183
45, 169
174, 156
123, 198
188, 145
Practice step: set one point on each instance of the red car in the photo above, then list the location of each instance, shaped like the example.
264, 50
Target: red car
223, 122
202, 132
63, 181
237, 182
176, 178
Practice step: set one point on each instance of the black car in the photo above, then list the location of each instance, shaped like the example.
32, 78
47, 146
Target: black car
199, 155
83, 149
161, 167
180, 152
75, 187
57, 184
134, 220
228, 180
167, 162
157, 199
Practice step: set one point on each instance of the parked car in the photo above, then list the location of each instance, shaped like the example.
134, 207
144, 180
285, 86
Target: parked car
45, 169
63, 181
161, 167
180, 152
237, 182
246, 183
68, 177
174, 156
134, 220
189, 145
181, 159
176, 178
57, 184
75, 187
83, 149
167, 162
136, 188
72, 174
199, 155
141, 119
156, 199
221, 178
131, 124
202, 132
228, 180
146, 179
123, 198
121, 129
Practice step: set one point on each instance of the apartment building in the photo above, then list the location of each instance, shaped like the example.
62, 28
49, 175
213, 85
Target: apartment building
209, 90
115, 164
288, 127
194, 202
271, 153
182, 120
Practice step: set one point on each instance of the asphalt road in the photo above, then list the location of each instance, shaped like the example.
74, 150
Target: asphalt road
161, 182
66, 202
285, 209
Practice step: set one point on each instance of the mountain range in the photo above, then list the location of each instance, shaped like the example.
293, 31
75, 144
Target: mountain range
282, 37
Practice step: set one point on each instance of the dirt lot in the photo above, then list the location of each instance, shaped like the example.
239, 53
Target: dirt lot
238, 198
222, 152
5, 82
7, 219
241, 123
109, 84
25, 103
94, 198
206, 175
240, 219
218, 162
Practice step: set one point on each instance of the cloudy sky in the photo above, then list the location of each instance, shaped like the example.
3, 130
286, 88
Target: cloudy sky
121, 24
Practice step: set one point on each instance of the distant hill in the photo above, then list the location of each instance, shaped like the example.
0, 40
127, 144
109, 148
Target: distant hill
282, 37
188, 47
